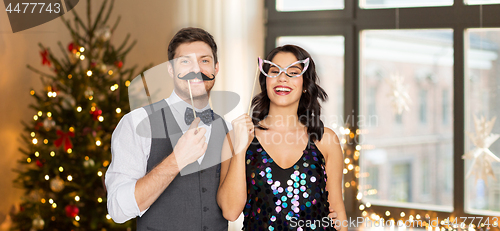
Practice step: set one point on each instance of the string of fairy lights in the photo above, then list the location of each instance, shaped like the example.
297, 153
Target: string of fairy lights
349, 138
57, 183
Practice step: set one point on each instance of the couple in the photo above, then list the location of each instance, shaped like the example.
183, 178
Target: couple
276, 182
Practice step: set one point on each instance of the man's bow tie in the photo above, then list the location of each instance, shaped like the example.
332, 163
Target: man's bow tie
206, 116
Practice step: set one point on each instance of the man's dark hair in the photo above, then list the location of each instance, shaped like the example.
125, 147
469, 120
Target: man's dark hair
189, 35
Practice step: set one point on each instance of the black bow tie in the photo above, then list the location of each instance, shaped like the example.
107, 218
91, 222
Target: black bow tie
206, 116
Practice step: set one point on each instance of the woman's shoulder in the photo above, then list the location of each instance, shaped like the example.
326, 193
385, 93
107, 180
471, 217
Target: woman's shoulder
329, 137
328, 141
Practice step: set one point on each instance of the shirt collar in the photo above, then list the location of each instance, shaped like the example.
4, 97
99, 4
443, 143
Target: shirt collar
175, 102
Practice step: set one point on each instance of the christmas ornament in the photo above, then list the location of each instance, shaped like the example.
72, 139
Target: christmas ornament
64, 138
96, 114
72, 47
45, 57
35, 195
399, 94
48, 124
481, 156
88, 163
68, 102
103, 34
39, 163
38, 223
104, 68
119, 64
57, 184
71, 210
88, 92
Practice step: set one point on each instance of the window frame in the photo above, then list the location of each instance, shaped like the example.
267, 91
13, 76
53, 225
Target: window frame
350, 22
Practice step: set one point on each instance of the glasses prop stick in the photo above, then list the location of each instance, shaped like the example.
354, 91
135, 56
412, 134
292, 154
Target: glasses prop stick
253, 89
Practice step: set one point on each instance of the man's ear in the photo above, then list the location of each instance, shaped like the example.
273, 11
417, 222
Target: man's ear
216, 68
170, 69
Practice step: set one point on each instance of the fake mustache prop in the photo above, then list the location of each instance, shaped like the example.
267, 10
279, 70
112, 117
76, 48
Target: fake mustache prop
192, 75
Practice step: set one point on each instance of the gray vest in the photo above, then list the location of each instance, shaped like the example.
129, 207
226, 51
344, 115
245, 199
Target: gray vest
190, 201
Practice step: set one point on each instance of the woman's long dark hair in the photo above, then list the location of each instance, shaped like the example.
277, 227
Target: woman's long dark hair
309, 109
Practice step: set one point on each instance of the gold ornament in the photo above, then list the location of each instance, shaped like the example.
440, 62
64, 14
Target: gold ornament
35, 195
48, 124
481, 156
57, 184
38, 223
88, 163
88, 92
103, 34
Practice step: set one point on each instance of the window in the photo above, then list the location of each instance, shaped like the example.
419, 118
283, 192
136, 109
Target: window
482, 100
301, 5
401, 54
477, 2
423, 106
400, 183
371, 4
407, 157
445, 102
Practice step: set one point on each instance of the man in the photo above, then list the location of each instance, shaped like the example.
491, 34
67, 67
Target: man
169, 177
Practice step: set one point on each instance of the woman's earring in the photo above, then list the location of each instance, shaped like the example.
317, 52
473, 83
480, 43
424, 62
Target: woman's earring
304, 91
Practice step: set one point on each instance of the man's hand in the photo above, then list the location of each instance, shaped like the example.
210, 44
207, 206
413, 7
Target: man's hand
333, 215
191, 145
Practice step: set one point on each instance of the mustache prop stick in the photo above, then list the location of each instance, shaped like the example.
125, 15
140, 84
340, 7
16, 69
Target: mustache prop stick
189, 76
191, 96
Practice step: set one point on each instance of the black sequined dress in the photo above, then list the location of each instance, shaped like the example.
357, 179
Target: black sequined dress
286, 199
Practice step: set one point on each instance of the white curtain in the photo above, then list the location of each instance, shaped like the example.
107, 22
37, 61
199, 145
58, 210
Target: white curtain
238, 29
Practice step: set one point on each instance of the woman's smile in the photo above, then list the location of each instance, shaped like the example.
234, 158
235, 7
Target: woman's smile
282, 90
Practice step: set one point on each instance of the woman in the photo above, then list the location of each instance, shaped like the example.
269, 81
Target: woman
287, 173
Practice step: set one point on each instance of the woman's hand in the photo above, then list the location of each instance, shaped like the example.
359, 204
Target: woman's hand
243, 133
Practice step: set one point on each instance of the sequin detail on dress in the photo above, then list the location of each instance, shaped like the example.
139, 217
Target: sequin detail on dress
277, 198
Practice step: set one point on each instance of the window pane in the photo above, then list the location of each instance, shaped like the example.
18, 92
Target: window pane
328, 55
370, 4
301, 5
482, 99
406, 156
477, 2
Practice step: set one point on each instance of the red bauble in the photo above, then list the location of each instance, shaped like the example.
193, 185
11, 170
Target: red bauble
72, 47
71, 210
39, 163
119, 64
96, 114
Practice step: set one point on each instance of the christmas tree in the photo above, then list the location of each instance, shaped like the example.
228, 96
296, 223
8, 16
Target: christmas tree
68, 141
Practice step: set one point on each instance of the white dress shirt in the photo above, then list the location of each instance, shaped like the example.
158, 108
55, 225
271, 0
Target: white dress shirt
130, 153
